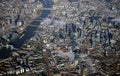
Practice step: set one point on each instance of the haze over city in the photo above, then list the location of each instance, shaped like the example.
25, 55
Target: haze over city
59, 37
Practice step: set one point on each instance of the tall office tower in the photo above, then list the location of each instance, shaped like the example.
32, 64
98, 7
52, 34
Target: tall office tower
103, 38
67, 29
52, 28
61, 34
108, 39
73, 27
92, 40
98, 31
79, 31
107, 33
74, 43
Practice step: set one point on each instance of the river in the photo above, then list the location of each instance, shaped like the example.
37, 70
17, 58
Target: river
29, 31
